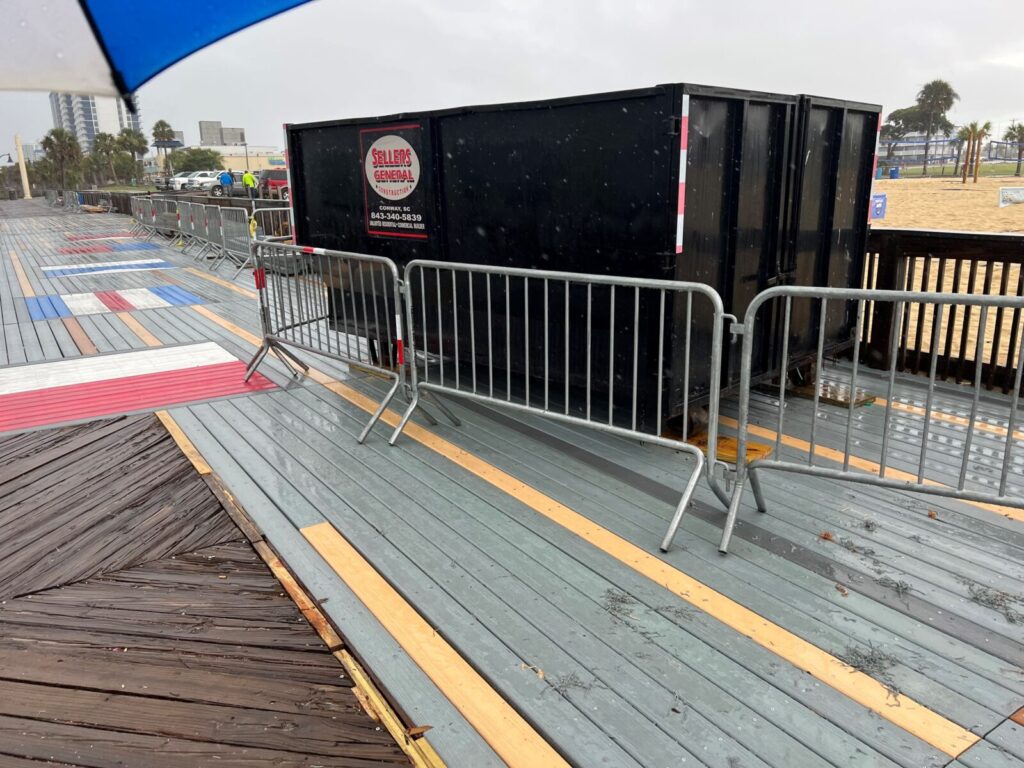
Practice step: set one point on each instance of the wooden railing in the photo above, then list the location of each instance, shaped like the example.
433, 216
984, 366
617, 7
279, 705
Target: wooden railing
975, 263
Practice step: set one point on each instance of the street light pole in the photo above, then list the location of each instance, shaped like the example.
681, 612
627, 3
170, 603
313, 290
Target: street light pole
246, 145
21, 163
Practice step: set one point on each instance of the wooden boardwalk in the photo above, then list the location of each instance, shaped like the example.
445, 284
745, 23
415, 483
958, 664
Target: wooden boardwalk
501, 579
139, 627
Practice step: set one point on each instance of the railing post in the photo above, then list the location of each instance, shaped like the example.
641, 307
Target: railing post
887, 276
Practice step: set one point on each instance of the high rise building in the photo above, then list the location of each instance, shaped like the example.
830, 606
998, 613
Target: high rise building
180, 136
212, 134
209, 133
85, 116
232, 136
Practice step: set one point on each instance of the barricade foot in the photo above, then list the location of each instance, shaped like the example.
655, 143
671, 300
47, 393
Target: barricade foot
405, 418
730, 519
380, 410
755, 486
684, 502
250, 369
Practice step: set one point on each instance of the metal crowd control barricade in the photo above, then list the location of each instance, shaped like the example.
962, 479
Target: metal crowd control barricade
165, 219
943, 449
236, 239
51, 197
296, 311
274, 224
586, 344
214, 247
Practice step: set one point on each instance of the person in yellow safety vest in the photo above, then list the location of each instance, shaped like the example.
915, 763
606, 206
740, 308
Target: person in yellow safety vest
249, 182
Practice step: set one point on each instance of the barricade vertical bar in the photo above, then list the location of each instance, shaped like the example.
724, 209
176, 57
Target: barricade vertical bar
590, 294
787, 313
611, 355
1011, 426
547, 327
490, 340
440, 325
472, 330
893, 354
661, 352
508, 341
423, 309
686, 366
566, 373
853, 385
526, 335
979, 351
636, 350
817, 369
455, 326
937, 315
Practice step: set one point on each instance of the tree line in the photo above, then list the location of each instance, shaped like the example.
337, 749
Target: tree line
112, 160
929, 116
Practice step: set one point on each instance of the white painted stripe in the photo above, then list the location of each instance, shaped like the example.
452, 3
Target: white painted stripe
143, 298
84, 303
90, 264
25, 378
679, 231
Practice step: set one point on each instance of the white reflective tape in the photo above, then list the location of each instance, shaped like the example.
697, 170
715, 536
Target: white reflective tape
398, 325
24, 378
143, 298
84, 303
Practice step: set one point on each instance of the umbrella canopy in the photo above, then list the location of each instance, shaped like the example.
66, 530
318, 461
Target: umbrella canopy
111, 47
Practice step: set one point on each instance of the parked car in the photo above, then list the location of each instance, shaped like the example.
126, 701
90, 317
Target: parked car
177, 181
202, 181
237, 188
273, 182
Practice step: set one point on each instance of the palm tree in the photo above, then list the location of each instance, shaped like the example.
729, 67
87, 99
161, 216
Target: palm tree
104, 146
1015, 133
962, 137
983, 131
134, 143
934, 100
162, 131
62, 149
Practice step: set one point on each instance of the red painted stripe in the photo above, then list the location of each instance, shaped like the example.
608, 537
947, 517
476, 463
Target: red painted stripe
85, 249
682, 197
261, 278
23, 410
307, 249
684, 132
400, 346
114, 301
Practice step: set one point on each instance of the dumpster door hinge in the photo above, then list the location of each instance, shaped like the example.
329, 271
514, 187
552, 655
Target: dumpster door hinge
675, 125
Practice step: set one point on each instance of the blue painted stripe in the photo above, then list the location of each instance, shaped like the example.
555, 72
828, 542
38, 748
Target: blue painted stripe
134, 246
186, 297
46, 307
35, 311
60, 307
85, 270
167, 293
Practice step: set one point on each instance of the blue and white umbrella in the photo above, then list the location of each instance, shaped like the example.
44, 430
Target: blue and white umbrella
111, 47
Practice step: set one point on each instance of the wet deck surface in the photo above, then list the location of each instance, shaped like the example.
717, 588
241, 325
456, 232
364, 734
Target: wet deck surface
139, 627
529, 549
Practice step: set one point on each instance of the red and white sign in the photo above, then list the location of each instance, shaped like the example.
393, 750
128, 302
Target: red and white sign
392, 167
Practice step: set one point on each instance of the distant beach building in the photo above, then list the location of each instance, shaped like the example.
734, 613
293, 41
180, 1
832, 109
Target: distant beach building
212, 134
85, 116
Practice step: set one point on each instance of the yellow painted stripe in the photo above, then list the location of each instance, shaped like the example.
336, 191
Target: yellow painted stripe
220, 281
899, 709
950, 418
19, 272
504, 729
186, 445
831, 454
139, 330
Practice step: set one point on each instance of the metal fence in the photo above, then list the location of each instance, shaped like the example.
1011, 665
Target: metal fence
944, 448
570, 347
236, 238
345, 306
274, 224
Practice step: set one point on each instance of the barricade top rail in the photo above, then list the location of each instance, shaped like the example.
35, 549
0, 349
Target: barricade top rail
579, 277
870, 294
305, 250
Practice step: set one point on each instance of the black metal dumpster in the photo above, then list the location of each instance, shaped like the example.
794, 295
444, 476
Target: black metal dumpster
772, 189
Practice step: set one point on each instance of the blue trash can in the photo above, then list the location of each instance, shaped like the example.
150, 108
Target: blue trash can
879, 173
894, 173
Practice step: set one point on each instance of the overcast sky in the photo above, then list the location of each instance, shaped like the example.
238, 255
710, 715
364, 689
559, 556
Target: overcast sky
334, 58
